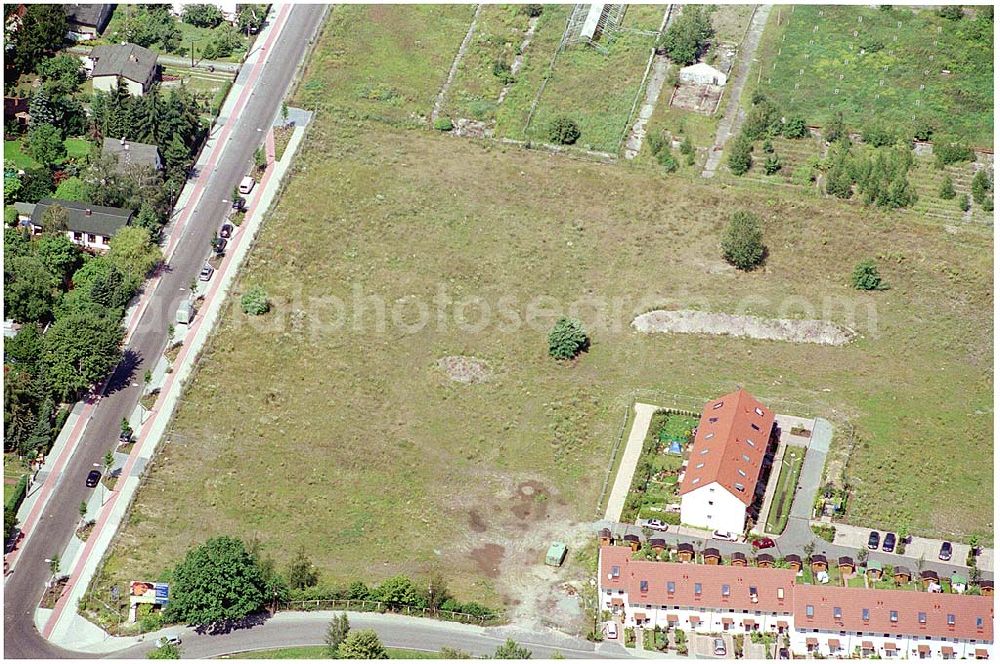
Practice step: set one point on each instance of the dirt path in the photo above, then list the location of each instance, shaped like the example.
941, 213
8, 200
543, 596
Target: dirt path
630, 458
773, 329
733, 119
658, 74
436, 111
519, 58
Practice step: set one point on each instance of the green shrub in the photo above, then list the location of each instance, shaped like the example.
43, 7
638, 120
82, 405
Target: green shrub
502, 71
963, 203
951, 12
835, 129
666, 159
764, 118
879, 135
743, 241
567, 339
988, 204
443, 124
10, 216
866, 277
803, 175
795, 127
739, 155
767, 146
772, 165
254, 302
532, 10
564, 131
947, 190
948, 152
981, 186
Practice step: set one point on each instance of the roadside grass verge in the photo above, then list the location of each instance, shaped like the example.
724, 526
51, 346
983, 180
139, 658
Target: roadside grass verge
320, 652
346, 439
784, 491
893, 69
385, 62
597, 89
478, 81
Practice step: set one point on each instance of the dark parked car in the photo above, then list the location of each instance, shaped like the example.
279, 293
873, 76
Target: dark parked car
240, 204
220, 245
889, 544
763, 543
93, 477
873, 540
783, 653
226, 230
945, 553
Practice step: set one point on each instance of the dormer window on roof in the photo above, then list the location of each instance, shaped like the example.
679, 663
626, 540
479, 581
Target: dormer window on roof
700, 465
644, 586
725, 590
810, 610
616, 571
697, 588
979, 622
704, 451
922, 618
894, 616
742, 472
750, 443
754, 426
866, 614
739, 487
759, 411
713, 420
709, 435
837, 613
753, 590
951, 619
695, 480
745, 458
671, 587
717, 406
781, 593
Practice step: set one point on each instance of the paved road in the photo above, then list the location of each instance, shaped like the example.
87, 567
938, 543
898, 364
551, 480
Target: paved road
23, 589
309, 628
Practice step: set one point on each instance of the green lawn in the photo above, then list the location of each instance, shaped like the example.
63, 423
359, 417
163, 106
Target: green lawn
894, 53
856, 581
598, 89
784, 492
13, 469
319, 652
384, 61
77, 148
189, 33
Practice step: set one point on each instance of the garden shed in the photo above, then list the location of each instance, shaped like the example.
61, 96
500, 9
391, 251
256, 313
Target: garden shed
701, 73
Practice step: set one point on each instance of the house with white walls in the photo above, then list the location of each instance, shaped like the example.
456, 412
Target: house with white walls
821, 621
723, 472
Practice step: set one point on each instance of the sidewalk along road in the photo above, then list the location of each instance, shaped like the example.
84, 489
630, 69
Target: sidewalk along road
56, 518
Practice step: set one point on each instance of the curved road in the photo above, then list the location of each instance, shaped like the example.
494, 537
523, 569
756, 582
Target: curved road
23, 588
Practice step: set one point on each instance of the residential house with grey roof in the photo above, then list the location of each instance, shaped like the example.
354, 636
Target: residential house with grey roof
90, 226
130, 154
87, 21
133, 65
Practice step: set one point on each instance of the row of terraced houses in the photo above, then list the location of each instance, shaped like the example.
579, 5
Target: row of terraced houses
819, 620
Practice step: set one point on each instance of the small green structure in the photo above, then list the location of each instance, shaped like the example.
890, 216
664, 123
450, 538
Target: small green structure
556, 554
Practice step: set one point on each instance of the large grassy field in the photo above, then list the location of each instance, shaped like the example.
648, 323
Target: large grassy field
328, 424
892, 69
384, 61
598, 89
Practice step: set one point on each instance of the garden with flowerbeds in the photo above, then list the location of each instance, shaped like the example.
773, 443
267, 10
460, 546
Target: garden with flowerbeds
655, 484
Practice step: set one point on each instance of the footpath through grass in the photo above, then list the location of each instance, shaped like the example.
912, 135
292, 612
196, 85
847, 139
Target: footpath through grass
893, 65
784, 492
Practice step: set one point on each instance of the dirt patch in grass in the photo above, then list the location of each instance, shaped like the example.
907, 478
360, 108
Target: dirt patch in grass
53, 593
282, 136
476, 522
463, 369
83, 532
530, 501
488, 558
773, 329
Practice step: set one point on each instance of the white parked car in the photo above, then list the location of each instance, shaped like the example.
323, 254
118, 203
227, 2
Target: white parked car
612, 630
725, 535
656, 524
170, 640
246, 185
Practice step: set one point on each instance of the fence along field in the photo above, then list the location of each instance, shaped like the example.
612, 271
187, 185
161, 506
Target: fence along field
894, 65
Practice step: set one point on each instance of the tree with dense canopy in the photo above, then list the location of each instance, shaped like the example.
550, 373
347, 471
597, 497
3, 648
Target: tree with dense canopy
216, 582
79, 350
688, 35
336, 632
29, 289
511, 650
45, 144
567, 339
866, 277
362, 644
743, 241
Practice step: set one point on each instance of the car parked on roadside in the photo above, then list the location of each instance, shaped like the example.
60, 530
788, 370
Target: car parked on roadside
206, 273
719, 647
246, 184
125, 436
240, 204
784, 654
611, 630
873, 540
945, 553
725, 535
220, 246
93, 477
226, 231
656, 524
169, 640
889, 543
762, 543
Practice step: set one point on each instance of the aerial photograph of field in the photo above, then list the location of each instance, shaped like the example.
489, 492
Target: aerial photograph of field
500, 331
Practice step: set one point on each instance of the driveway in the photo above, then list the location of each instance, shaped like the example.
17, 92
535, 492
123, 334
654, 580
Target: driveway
702, 646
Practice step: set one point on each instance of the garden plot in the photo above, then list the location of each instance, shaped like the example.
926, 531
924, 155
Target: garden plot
486, 67
655, 490
893, 65
799, 159
927, 179
384, 62
597, 89
697, 98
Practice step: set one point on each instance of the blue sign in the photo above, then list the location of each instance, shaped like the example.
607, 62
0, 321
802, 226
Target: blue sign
162, 592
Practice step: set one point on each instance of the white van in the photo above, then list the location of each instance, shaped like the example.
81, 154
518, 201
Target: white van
246, 185
612, 630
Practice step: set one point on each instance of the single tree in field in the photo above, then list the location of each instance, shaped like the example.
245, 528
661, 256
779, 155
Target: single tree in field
981, 186
363, 644
739, 155
511, 650
301, 572
866, 277
947, 191
217, 582
567, 339
743, 241
336, 632
564, 131
45, 144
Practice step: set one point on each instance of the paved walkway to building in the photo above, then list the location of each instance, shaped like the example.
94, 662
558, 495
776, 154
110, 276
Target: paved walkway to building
630, 458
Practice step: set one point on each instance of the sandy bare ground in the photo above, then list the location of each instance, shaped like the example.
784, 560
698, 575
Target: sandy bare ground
773, 329
462, 369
